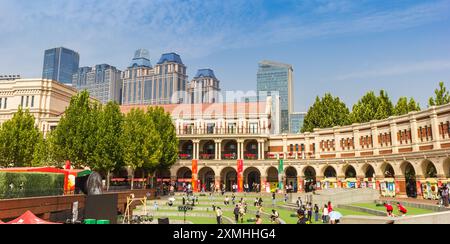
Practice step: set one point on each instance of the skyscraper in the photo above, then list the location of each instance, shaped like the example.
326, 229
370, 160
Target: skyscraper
204, 88
163, 84
277, 78
60, 64
104, 82
296, 122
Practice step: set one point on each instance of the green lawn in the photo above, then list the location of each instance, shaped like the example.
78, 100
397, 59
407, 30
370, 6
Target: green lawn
411, 210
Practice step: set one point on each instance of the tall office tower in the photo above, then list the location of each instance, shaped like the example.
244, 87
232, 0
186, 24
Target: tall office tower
60, 64
170, 74
296, 122
163, 84
277, 78
104, 82
204, 88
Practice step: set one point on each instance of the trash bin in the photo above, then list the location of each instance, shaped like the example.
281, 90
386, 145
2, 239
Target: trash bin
103, 222
90, 221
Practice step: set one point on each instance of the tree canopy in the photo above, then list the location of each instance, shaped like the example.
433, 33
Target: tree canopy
372, 107
327, 111
18, 139
441, 96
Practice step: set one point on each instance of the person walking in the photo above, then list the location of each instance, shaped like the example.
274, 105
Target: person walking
236, 214
219, 214
316, 213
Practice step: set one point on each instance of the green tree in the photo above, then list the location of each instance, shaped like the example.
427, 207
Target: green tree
372, 107
441, 96
168, 136
18, 139
140, 142
404, 107
326, 112
107, 154
413, 105
75, 134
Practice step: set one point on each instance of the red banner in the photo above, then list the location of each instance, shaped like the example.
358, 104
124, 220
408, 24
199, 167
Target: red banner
194, 175
240, 175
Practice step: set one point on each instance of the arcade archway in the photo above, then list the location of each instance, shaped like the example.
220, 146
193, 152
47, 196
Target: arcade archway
310, 178
228, 176
291, 178
350, 172
410, 178
272, 178
206, 176
252, 176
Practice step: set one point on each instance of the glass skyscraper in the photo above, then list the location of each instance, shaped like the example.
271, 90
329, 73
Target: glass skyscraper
277, 78
297, 120
104, 82
60, 64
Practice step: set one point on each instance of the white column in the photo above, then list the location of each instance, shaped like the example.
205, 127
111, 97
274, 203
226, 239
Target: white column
356, 138
394, 138
414, 137
376, 148
435, 131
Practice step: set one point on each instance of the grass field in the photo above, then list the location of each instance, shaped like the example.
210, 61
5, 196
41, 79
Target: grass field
411, 210
286, 215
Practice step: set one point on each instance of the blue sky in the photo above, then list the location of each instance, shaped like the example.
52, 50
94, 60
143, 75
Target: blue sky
339, 46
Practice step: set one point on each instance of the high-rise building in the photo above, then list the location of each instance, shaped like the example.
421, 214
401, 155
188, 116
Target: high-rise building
277, 79
163, 84
60, 64
204, 88
296, 122
104, 82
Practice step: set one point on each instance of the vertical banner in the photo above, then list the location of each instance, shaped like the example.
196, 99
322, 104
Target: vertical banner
240, 175
419, 188
194, 175
280, 174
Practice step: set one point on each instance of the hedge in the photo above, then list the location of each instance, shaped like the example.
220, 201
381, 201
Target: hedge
20, 185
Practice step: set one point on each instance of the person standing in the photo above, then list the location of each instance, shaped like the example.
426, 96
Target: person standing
236, 214
273, 199
241, 213
330, 207
325, 214
219, 214
316, 213
299, 202
445, 195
